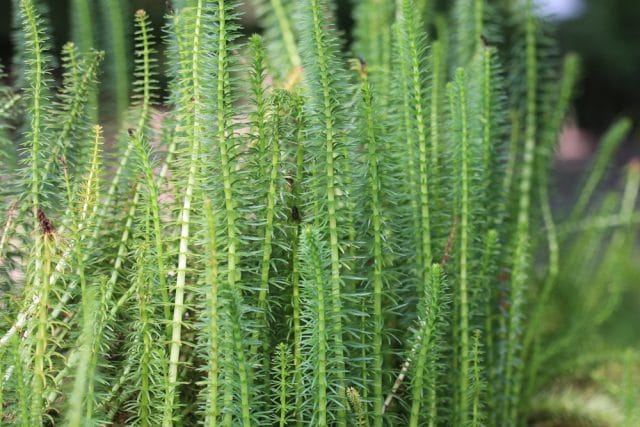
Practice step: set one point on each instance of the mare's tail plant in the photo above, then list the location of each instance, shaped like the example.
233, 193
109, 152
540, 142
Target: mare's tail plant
303, 232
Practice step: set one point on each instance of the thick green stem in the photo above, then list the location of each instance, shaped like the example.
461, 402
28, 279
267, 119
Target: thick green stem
415, 73
332, 218
224, 141
287, 33
213, 348
82, 26
39, 380
521, 254
465, 181
295, 266
425, 337
476, 411
321, 311
410, 157
378, 260
194, 134
116, 28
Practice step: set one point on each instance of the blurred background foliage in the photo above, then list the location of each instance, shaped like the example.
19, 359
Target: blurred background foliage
606, 34
607, 37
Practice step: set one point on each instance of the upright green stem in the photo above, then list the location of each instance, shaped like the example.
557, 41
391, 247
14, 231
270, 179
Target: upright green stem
115, 26
88, 198
512, 157
410, 158
144, 295
42, 259
224, 140
213, 349
82, 26
425, 337
378, 261
610, 142
319, 36
287, 33
521, 255
465, 181
142, 123
139, 141
80, 385
185, 216
22, 392
295, 265
266, 138
487, 124
37, 93
153, 197
437, 66
478, 17
549, 142
318, 281
488, 261
410, 28
283, 383
97, 325
476, 411
39, 381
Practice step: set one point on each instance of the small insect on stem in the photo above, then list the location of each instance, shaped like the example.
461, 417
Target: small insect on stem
46, 226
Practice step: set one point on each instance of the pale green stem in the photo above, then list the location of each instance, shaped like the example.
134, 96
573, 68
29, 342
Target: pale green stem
295, 270
465, 180
287, 33
114, 17
184, 220
223, 139
212, 279
329, 132
378, 260
521, 255
425, 342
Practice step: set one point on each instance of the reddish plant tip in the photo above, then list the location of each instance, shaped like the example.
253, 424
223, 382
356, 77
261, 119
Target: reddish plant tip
63, 161
362, 69
504, 276
634, 165
46, 226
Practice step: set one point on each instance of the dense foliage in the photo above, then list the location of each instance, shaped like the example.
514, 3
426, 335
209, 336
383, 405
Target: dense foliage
296, 237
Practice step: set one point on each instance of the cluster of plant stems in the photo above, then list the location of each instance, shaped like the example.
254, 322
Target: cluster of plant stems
299, 232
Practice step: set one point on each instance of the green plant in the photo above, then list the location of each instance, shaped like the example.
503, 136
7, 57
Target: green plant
303, 238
